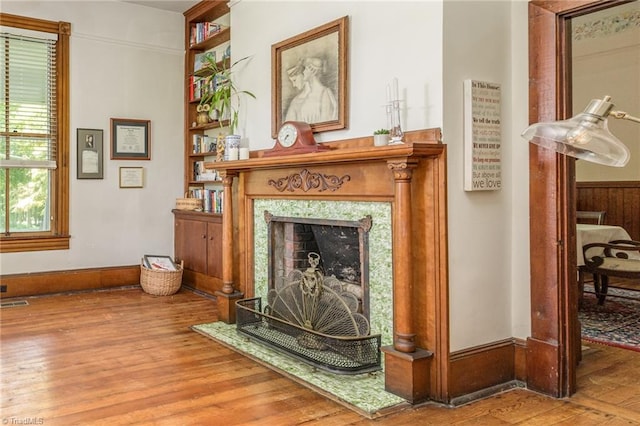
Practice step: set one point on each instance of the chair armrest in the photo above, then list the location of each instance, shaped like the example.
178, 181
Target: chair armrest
626, 254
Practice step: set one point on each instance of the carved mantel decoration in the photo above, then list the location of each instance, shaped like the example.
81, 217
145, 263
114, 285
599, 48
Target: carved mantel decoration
412, 178
306, 181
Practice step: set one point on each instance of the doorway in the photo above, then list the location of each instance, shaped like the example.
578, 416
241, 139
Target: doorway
554, 348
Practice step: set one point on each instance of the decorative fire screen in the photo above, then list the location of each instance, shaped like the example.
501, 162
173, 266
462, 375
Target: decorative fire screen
311, 317
342, 244
343, 355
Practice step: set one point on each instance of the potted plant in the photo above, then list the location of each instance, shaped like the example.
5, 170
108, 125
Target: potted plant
223, 94
381, 137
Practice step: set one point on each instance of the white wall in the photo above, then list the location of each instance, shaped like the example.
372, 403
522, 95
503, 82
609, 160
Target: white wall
606, 61
430, 46
478, 46
126, 62
386, 40
520, 254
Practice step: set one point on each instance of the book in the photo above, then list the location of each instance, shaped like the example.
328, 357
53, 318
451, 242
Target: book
200, 60
197, 143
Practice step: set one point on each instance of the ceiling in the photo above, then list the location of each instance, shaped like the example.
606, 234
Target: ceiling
171, 5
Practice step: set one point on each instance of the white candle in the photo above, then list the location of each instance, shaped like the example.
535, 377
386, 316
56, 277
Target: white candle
233, 153
244, 153
388, 93
394, 90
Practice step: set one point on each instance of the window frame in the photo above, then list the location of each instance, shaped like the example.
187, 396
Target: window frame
57, 238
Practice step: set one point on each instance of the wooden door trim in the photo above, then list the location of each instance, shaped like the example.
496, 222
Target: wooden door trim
553, 348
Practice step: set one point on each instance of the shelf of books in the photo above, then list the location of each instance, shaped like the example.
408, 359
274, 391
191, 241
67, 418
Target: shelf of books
211, 198
208, 41
208, 38
207, 34
205, 183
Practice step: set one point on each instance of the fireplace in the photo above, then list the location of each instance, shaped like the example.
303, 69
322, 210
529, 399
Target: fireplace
403, 188
376, 275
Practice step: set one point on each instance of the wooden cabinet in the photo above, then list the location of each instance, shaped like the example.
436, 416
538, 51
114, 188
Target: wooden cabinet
198, 242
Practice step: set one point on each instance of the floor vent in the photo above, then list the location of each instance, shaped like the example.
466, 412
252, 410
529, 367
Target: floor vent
13, 304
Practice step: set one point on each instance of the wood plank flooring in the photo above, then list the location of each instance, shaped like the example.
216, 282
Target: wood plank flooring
123, 357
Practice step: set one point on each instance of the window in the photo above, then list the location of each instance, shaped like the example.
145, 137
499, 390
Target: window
34, 134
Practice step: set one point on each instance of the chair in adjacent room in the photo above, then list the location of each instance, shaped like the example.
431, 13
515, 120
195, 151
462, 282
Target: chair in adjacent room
593, 217
618, 258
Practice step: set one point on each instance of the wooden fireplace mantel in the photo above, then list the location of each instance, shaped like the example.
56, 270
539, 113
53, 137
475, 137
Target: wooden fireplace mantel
417, 143
410, 176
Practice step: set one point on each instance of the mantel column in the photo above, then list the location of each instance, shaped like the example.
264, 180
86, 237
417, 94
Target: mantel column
406, 366
403, 333
227, 297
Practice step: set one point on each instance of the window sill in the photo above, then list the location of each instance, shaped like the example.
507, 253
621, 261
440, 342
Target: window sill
23, 244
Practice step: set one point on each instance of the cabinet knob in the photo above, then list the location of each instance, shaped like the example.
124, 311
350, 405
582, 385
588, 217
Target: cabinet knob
204, 236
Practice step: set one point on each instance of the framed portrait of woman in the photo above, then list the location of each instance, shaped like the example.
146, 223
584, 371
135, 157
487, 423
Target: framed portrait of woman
309, 78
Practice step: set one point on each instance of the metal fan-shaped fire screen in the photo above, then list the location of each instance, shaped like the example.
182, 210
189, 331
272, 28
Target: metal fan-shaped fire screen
310, 317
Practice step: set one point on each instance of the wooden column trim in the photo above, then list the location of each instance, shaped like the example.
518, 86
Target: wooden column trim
403, 332
227, 232
228, 296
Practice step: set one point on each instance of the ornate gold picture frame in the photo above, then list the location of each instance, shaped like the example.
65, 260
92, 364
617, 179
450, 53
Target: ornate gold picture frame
309, 78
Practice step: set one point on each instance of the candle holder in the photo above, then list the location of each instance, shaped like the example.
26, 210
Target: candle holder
393, 117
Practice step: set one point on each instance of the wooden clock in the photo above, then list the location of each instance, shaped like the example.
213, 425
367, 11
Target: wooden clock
295, 137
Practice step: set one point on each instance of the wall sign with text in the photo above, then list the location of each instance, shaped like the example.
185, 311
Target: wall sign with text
482, 136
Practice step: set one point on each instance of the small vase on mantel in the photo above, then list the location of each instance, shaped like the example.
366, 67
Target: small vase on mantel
381, 137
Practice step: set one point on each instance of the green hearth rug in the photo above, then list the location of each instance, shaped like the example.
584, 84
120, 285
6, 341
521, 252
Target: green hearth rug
363, 393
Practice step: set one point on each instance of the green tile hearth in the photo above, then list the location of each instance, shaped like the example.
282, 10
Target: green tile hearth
363, 393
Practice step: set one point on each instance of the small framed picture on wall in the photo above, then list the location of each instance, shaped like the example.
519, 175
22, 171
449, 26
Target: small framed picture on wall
130, 139
89, 148
131, 177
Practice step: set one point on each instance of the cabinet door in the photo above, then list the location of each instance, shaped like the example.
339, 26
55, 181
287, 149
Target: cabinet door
214, 250
191, 244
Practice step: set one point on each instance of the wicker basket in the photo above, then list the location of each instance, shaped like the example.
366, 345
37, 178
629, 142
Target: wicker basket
161, 283
188, 203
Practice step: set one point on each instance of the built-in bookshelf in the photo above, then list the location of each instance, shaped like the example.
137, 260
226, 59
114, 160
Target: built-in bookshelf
207, 35
198, 234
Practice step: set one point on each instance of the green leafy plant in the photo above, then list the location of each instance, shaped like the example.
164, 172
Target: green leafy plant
381, 132
223, 90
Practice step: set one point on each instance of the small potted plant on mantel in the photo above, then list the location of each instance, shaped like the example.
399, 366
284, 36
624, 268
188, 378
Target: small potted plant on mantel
223, 99
381, 137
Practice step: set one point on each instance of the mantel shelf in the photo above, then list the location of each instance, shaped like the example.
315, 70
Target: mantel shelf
425, 143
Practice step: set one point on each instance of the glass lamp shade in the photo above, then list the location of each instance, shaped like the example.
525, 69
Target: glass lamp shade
585, 136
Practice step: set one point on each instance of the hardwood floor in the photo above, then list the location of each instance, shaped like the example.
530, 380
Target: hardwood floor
124, 357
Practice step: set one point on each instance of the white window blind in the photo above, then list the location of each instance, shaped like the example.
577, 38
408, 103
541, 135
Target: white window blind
28, 114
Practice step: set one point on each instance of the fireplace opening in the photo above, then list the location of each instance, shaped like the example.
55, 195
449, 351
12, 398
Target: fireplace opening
317, 302
342, 245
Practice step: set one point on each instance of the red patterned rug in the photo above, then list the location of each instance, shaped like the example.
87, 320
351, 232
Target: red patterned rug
616, 323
